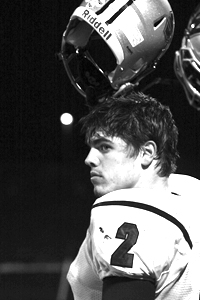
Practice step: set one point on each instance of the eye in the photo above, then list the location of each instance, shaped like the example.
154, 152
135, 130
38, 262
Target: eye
104, 148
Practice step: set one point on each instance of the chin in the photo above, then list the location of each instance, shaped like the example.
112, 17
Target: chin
99, 192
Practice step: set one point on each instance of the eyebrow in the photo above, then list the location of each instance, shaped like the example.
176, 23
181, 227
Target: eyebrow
98, 140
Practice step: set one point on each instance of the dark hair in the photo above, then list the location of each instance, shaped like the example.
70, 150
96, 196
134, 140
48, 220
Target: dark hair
137, 118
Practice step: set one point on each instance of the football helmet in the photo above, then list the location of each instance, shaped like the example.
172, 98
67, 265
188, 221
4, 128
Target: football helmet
187, 60
108, 43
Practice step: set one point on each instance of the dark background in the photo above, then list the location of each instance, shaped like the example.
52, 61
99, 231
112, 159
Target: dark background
45, 192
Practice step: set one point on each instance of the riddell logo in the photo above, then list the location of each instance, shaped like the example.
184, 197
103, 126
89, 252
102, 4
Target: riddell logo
93, 21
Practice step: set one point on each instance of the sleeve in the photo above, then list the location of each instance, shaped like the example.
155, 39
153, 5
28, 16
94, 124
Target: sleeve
125, 288
137, 243
81, 276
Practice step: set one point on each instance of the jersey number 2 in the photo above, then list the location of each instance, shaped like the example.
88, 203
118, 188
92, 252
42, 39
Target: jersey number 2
129, 233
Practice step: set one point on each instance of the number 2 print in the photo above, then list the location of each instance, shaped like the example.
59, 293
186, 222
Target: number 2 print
129, 233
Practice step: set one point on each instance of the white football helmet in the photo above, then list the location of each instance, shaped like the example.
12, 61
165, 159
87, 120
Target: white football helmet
108, 43
187, 60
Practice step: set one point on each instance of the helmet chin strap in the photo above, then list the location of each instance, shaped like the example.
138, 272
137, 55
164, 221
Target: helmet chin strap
124, 88
92, 99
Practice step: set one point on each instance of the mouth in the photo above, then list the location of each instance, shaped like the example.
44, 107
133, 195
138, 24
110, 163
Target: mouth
95, 176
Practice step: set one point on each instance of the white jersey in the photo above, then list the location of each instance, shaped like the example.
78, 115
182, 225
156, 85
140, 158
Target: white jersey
142, 234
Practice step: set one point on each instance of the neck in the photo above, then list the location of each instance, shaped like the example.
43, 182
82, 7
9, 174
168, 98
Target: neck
152, 181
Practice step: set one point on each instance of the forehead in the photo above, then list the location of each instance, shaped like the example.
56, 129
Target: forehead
100, 136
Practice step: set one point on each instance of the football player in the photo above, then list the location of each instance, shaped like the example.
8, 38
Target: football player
142, 242
143, 239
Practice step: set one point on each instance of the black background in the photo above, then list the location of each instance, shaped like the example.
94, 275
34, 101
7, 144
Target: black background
45, 192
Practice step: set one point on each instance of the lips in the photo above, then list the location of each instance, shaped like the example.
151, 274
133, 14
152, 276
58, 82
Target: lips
95, 177
94, 174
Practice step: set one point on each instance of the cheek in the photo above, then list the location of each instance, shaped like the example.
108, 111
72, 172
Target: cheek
129, 169
120, 167
123, 169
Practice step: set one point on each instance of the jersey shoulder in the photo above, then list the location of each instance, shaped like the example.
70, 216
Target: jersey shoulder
184, 185
132, 234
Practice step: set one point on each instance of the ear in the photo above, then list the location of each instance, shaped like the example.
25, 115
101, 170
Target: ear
149, 152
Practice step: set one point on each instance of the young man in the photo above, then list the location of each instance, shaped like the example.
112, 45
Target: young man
142, 241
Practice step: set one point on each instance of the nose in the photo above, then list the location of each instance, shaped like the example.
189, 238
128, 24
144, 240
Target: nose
92, 159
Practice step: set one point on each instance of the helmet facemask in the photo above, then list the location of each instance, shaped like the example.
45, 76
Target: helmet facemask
187, 61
